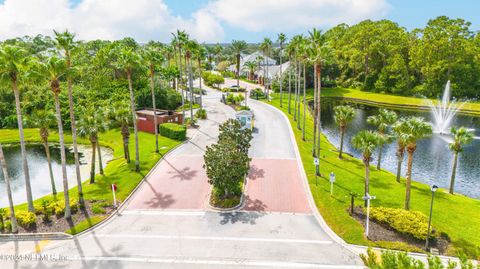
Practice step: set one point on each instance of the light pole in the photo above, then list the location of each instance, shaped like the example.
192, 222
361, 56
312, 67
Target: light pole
316, 162
367, 198
433, 189
332, 180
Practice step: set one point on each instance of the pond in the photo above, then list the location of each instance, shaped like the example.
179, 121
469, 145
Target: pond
38, 167
432, 160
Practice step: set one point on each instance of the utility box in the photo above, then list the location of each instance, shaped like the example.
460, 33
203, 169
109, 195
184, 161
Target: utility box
245, 117
145, 118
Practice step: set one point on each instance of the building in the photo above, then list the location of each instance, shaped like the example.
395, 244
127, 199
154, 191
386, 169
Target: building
256, 57
245, 117
145, 120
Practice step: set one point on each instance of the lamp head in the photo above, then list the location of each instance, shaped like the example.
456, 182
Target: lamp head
434, 188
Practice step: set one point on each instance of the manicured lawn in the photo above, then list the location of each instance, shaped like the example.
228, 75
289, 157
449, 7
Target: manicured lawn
388, 100
117, 170
456, 215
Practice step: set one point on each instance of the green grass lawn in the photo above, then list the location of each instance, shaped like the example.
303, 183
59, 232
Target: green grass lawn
456, 215
117, 171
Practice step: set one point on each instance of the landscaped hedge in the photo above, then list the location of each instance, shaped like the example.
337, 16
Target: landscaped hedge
173, 131
411, 223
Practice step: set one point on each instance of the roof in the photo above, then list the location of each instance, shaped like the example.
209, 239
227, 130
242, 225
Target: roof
149, 111
244, 113
273, 71
253, 58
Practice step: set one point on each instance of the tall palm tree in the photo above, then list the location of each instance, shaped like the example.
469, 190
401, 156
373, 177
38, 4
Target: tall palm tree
250, 66
401, 145
44, 120
216, 52
6, 176
200, 55
190, 47
151, 56
304, 59
55, 69
179, 40
238, 47
90, 124
127, 61
281, 41
461, 137
120, 116
367, 142
13, 61
266, 47
343, 115
383, 120
413, 129
65, 41
290, 49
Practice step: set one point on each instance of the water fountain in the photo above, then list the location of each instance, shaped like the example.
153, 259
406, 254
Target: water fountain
444, 112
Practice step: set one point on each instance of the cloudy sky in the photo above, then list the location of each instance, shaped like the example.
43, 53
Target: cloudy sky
214, 20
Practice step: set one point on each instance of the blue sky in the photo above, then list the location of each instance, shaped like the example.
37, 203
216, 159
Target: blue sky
215, 20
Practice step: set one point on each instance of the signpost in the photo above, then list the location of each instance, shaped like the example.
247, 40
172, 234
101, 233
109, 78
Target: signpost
316, 162
332, 180
114, 189
368, 197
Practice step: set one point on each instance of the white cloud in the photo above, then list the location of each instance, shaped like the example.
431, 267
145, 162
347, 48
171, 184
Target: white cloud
287, 15
104, 19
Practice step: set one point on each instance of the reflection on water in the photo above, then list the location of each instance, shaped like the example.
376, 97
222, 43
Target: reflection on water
38, 167
432, 159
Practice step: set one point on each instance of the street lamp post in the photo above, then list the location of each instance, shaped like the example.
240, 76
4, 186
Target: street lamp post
332, 180
433, 189
367, 198
316, 162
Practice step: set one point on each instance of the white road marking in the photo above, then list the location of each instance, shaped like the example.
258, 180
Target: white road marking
162, 213
236, 262
215, 238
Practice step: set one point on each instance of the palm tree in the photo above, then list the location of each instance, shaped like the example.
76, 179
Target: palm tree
54, 69
383, 120
200, 54
151, 56
413, 129
367, 142
304, 59
343, 115
90, 124
238, 47
6, 176
216, 52
13, 60
281, 40
179, 40
266, 48
250, 66
44, 120
401, 145
290, 51
121, 116
128, 60
461, 137
65, 41
190, 47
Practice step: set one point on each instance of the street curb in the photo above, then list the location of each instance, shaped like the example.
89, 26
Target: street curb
34, 237
241, 204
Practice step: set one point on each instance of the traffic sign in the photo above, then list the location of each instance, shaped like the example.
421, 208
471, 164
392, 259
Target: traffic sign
316, 161
332, 177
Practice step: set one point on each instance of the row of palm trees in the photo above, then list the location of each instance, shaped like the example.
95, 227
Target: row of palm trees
19, 69
406, 131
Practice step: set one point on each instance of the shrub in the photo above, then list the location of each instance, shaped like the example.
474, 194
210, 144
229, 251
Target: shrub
3, 216
412, 223
173, 131
234, 99
47, 212
243, 108
201, 114
213, 79
26, 219
7, 226
58, 207
257, 93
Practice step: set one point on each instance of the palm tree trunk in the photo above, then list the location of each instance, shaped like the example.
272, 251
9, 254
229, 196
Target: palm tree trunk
125, 138
26, 172
400, 152
342, 134
100, 164
319, 107
180, 83
92, 164
296, 92
454, 172
13, 220
299, 91
74, 138
281, 81
63, 158
304, 99
134, 117
152, 89
50, 170
314, 147
190, 83
238, 69
289, 89
200, 83
367, 178
408, 183
379, 161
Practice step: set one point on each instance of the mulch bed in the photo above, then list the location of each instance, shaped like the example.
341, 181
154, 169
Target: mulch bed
60, 224
382, 232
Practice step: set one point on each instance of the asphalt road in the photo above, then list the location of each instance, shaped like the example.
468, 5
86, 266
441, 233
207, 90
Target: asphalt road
168, 224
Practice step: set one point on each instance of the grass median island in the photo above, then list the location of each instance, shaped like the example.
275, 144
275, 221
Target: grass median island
456, 215
117, 171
